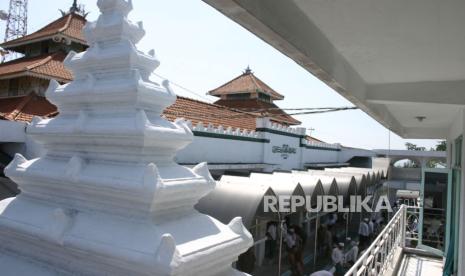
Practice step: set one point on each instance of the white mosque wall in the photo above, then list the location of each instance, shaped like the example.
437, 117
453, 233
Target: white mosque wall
320, 156
220, 151
284, 148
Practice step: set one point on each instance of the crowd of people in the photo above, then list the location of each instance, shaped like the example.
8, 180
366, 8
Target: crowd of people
368, 229
341, 251
294, 239
344, 255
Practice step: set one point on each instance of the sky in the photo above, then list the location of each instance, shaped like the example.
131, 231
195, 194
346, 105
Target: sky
201, 49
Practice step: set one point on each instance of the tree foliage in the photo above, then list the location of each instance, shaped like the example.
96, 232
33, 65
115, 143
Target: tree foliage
441, 146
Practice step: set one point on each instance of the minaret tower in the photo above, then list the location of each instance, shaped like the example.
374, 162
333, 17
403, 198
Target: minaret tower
107, 198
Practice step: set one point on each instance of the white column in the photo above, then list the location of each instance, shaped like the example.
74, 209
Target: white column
461, 255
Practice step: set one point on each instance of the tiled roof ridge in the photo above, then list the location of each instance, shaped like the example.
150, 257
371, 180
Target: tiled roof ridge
54, 21
66, 26
13, 115
252, 77
272, 92
40, 62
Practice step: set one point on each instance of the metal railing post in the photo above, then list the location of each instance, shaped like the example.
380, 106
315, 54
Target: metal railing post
380, 254
403, 228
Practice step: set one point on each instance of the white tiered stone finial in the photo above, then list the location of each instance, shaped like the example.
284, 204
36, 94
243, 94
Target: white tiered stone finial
107, 198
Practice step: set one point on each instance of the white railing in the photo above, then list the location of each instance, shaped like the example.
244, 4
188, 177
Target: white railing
267, 123
379, 257
412, 223
221, 130
320, 144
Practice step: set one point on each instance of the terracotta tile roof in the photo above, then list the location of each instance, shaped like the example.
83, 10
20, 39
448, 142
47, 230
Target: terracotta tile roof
260, 108
25, 107
313, 139
197, 111
70, 25
49, 66
246, 83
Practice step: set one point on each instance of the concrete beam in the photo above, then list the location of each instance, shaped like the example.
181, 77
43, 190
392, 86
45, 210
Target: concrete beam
425, 133
436, 92
384, 116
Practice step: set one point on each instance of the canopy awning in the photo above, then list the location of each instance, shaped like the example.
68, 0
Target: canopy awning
370, 174
363, 179
237, 197
329, 185
311, 185
282, 185
381, 164
346, 183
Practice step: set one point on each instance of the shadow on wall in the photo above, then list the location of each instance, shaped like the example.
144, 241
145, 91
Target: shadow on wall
360, 162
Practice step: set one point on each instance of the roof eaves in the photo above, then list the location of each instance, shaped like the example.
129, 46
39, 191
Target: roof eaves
41, 38
34, 74
47, 77
39, 63
23, 40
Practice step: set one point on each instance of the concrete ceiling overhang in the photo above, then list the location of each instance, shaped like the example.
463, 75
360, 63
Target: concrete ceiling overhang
397, 60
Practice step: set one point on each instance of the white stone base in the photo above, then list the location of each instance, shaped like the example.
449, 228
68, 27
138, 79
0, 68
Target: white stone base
93, 243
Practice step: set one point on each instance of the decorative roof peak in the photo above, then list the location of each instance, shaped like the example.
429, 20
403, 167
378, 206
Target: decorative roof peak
248, 70
247, 82
76, 9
